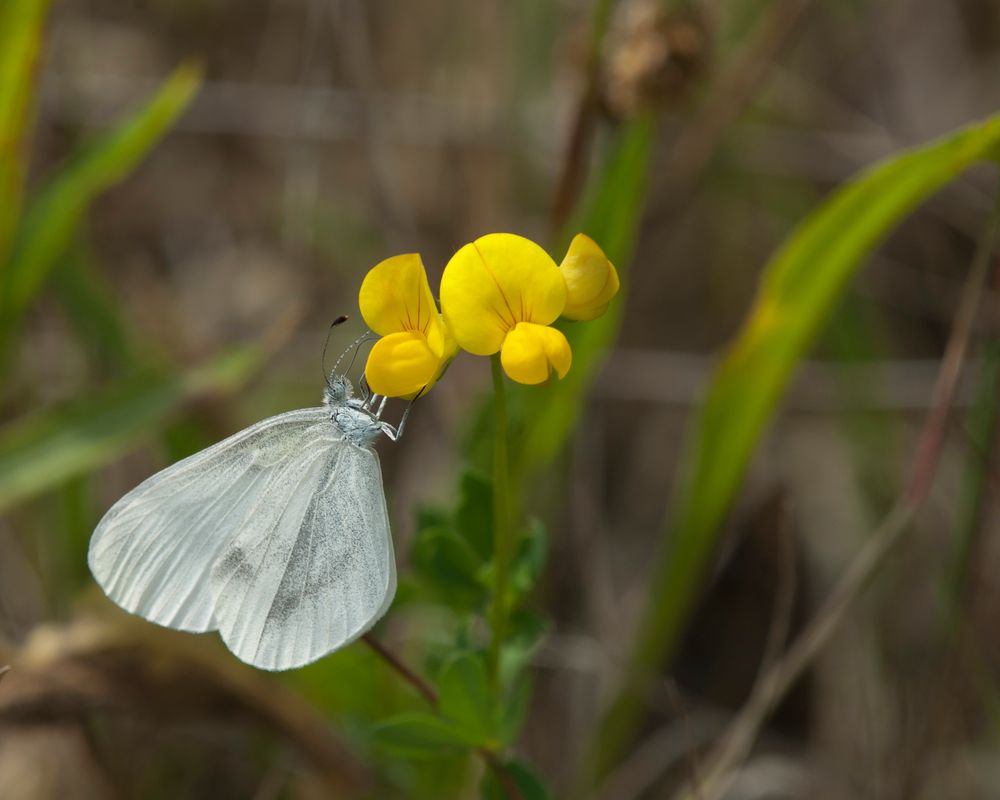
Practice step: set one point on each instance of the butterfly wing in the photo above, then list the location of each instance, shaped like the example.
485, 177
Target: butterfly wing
153, 552
314, 575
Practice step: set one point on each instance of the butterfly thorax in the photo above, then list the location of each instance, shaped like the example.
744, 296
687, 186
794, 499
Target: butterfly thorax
349, 413
357, 424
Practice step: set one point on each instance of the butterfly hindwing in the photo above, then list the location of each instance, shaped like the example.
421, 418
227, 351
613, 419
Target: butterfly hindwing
313, 575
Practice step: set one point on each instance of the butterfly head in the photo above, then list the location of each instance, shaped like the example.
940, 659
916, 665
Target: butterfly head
338, 391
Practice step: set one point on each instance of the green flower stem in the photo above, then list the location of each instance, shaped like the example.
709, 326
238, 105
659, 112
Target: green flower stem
502, 535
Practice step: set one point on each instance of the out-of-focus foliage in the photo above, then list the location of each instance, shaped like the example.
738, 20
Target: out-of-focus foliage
52, 216
44, 450
799, 287
47, 449
453, 559
610, 214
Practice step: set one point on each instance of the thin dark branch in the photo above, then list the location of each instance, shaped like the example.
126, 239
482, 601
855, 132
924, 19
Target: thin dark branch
404, 671
932, 435
506, 780
574, 164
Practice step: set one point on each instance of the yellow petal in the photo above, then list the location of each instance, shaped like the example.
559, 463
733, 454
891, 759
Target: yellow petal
449, 347
530, 353
402, 364
591, 280
446, 354
492, 284
395, 297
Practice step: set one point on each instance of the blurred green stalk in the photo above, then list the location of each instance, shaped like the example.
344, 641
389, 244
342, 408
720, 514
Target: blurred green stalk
503, 544
20, 35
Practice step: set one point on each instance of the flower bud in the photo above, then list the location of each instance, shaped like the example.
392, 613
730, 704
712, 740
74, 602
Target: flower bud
591, 280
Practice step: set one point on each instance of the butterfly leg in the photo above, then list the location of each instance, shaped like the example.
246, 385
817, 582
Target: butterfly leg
394, 433
381, 408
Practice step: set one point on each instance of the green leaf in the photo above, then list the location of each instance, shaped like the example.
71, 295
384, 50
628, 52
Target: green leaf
419, 735
448, 566
466, 699
799, 287
51, 220
529, 562
20, 38
526, 631
515, 709
451, 552
474, 515
527, 781
41, 451
432, 517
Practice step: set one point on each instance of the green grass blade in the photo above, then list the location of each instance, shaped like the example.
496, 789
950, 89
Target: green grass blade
611, 217
40, 452
51, 220
799, 287
20, 36
95, 312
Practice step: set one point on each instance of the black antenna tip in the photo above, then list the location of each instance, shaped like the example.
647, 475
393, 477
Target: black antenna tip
339, 321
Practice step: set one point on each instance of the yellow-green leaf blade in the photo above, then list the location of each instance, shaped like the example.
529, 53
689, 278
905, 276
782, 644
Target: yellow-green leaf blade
20, 36
50, 221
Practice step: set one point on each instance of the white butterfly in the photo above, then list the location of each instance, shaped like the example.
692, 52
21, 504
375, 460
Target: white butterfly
277, 537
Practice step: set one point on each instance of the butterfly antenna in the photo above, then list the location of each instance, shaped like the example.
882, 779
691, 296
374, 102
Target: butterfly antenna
338, 321
355, 345
368, 336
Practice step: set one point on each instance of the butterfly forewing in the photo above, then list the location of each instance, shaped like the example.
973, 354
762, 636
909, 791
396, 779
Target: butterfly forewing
314, 573
154, 549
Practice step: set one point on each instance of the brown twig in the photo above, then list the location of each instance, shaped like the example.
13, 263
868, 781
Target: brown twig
489, 757
574, 163
582, 129
932, 435
500, 771
777, 681
404, 671
944, 687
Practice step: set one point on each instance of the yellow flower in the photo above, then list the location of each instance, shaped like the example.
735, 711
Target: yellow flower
396, 303
500, 293
591, 280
